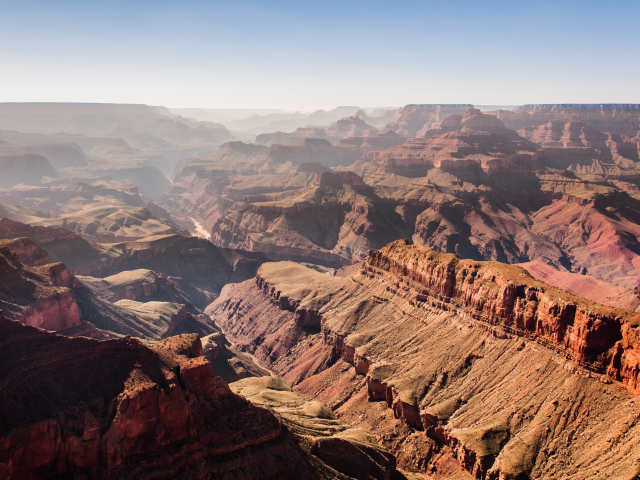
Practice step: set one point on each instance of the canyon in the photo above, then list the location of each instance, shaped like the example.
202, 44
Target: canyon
450, 362
116, 408
428, 292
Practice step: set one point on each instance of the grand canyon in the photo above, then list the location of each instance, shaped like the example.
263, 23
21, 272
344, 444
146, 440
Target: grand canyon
433, 291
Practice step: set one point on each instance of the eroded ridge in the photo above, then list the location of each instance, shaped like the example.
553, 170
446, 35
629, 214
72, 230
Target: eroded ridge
600, 338
457, 366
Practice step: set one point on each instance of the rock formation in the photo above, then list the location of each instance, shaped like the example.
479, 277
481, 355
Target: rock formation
379, 141
414, 118
611, 118
454, 364
193, 266
60, 155
351, 127
42, 296
335, 219
584, 286
76, 407
269, 139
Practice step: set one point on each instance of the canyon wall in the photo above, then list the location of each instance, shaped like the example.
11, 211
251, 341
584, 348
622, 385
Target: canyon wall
451, 362
78, 408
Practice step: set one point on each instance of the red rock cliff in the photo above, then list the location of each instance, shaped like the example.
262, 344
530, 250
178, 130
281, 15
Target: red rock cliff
601, 338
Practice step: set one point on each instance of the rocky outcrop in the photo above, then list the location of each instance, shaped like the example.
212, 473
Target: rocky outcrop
139, 285
588, 333
41, 296
351, 127
450, 362
467, 144
612, 118
27, 251
313, 150
414, 118
333, 221
150, 412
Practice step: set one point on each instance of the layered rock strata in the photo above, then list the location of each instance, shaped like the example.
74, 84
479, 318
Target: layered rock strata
75, 407
451, 362
192, 268
41, 296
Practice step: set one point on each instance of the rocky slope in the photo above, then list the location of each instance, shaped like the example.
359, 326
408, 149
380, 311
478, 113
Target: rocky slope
48, 295
451, 362
193, 265
118, 409
330, 222
414, 118
351, 127
42, 296
585, 286
377, 142
100, 211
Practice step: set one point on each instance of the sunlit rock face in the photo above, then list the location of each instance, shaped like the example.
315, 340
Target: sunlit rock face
455, 365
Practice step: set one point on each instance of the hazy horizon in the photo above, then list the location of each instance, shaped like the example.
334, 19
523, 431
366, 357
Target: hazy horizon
296, 56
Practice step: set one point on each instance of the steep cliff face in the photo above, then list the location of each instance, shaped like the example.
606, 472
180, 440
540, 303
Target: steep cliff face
451, 362
41, 296
74, 407
28, 251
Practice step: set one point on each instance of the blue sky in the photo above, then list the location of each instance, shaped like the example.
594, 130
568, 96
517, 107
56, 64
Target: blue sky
308, 55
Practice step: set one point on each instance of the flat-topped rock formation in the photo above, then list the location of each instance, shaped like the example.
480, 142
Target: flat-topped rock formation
138, 285
611, 118
453, 364
119, 409
460, 143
